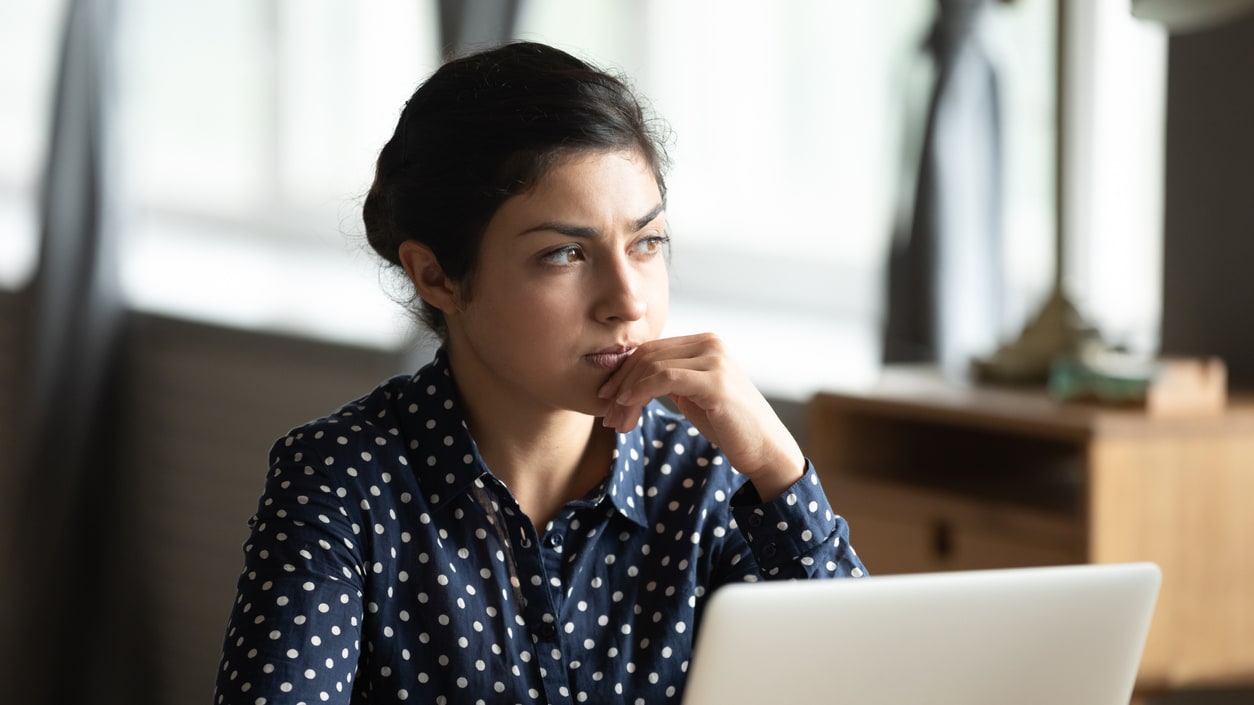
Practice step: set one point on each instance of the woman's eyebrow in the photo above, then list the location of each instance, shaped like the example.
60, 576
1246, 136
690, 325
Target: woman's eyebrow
648, 217
588, 232
580, 231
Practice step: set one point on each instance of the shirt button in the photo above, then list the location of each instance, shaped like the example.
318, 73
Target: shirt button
769, 550
554, 540
547, 630
755, 520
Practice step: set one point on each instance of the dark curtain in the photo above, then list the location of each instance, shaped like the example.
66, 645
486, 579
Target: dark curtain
72, 624
944, 280
466, 25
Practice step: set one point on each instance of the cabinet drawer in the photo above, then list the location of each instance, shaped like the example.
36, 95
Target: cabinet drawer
898, 528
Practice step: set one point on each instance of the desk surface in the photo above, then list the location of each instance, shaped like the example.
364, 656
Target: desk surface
922, 393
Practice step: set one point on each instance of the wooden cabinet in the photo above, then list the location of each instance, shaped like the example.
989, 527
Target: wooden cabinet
934, 475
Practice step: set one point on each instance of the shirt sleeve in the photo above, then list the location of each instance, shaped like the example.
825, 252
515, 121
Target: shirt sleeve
796, 535
295, 629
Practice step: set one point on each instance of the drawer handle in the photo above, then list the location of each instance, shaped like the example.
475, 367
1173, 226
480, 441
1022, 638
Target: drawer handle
942, 539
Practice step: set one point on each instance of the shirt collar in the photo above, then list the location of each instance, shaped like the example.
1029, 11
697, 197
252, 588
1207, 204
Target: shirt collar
625, 488
445, 457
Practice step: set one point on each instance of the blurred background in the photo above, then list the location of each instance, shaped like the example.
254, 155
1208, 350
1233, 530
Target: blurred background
183, 272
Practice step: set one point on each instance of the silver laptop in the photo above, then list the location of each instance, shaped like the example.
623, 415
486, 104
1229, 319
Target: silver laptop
1068, 635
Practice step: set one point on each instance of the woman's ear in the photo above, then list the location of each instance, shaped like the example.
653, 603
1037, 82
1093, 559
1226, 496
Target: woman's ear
430, 282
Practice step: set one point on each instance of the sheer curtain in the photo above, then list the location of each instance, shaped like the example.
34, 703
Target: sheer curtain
944, 278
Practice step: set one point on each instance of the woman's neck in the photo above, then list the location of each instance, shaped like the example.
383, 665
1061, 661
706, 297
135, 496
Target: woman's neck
545, 457
546, 474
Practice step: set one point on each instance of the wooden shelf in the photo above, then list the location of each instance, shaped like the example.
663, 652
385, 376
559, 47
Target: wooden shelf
937, 475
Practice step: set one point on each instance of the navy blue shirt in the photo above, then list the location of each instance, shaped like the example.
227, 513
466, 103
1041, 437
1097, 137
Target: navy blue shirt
387, 564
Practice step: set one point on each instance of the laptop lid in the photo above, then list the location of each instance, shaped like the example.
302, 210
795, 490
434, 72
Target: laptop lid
1029, 636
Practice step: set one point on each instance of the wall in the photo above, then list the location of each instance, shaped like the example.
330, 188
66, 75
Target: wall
1209, 218
204, 405
200, 409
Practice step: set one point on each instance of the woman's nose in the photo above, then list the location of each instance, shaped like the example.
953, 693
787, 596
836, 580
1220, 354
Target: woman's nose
621, 294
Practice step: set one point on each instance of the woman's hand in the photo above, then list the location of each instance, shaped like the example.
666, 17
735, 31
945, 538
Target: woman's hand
717, 397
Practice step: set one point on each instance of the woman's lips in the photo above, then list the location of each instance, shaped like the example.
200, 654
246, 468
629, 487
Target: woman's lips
609, 360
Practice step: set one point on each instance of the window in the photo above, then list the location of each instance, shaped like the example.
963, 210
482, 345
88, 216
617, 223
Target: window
1113, 170
250, 128
29, 37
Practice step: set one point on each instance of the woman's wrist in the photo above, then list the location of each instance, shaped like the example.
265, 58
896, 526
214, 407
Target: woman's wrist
773, 479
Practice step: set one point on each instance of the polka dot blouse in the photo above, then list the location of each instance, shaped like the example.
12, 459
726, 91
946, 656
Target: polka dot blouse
387, 564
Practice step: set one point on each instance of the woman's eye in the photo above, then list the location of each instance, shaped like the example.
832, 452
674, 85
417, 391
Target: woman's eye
652, 245
569, 254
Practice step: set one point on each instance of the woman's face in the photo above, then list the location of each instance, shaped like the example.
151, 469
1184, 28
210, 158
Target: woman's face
571, 277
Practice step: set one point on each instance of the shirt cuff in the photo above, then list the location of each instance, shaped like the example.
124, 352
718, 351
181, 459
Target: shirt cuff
791, 526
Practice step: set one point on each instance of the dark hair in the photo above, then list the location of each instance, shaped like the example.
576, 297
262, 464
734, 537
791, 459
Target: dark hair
486, 127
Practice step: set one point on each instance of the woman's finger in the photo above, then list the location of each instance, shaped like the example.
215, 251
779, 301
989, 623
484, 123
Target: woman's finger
654, 352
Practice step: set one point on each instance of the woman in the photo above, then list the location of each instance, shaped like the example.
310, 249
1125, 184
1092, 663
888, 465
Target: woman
520, 521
